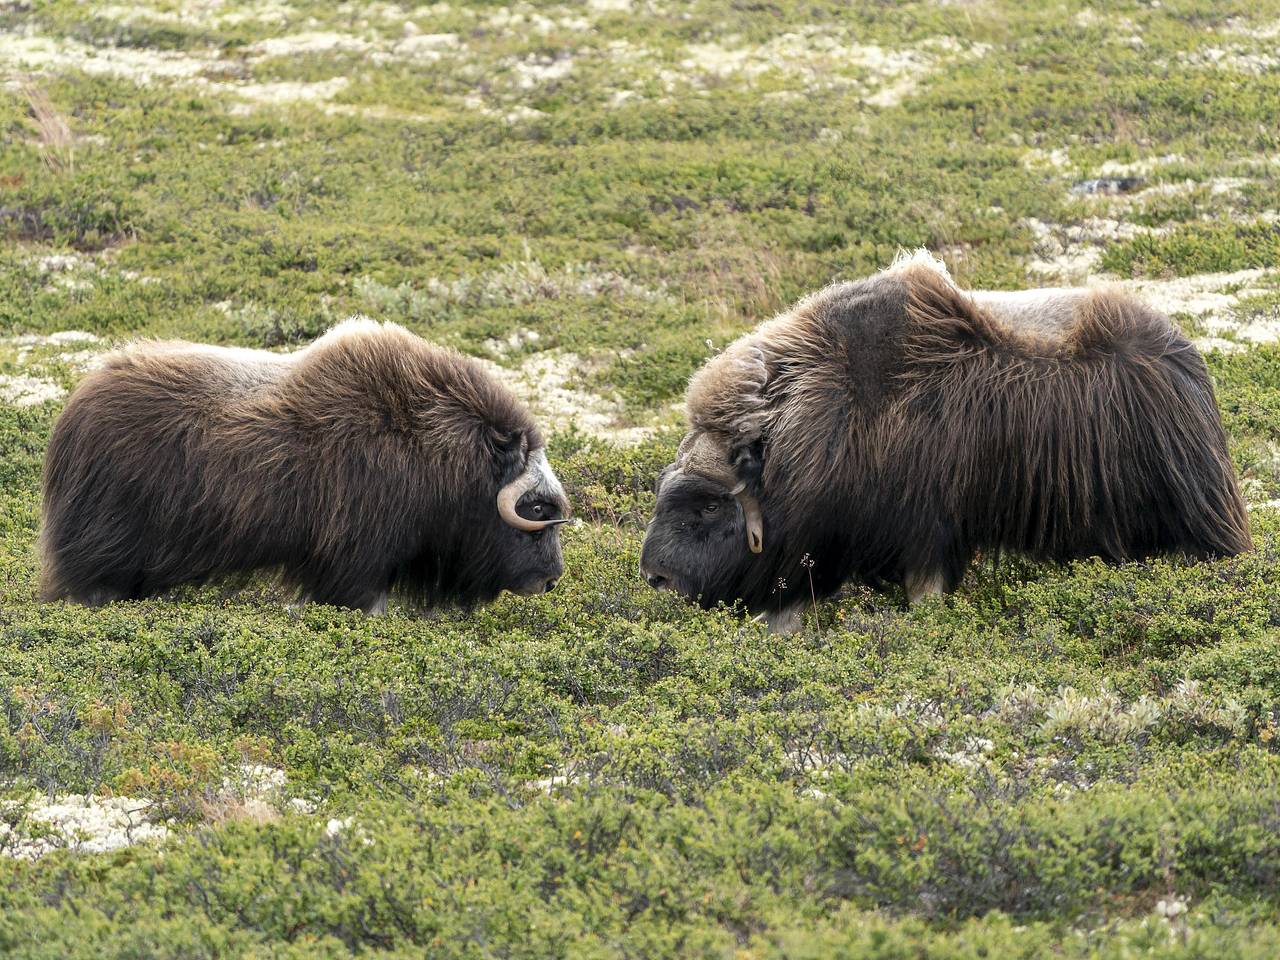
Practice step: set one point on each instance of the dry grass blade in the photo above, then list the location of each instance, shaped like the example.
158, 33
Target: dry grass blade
57, 144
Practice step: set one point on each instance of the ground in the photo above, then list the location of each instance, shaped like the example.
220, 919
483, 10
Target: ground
1076, 761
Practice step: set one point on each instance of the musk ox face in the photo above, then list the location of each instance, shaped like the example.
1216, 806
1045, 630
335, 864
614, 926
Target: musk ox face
530, 511
707, 534
530, 563
696, 545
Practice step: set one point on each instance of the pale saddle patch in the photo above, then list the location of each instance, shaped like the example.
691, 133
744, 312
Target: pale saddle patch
1048, 313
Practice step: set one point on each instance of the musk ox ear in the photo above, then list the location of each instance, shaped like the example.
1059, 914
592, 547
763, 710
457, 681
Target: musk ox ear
748, 464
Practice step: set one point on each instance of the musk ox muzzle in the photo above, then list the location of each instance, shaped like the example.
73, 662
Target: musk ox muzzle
367, 464
889, 429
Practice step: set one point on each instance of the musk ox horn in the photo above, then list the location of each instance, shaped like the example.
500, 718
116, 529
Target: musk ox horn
751, 513
708, 458
535, 472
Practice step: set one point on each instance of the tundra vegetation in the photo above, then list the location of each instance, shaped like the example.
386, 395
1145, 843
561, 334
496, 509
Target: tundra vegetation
1071, 761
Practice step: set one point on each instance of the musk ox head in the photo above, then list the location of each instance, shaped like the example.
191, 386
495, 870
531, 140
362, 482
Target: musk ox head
709, 539
707, 533
530, 507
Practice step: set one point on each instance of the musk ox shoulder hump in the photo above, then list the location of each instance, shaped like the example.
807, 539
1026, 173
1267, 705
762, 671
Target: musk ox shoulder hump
727, 396
730, 394
364, 371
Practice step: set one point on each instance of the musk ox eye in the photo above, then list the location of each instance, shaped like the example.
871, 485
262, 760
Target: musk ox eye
711, 508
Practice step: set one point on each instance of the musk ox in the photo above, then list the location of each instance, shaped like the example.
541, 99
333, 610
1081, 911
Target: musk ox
368, 463
891, 428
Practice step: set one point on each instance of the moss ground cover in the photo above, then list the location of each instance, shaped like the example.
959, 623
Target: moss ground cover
1075, 761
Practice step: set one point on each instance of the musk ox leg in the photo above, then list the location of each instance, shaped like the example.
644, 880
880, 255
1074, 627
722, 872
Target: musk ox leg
783, 622
937, 563
90, 596
57, 585
372, 601
924, 584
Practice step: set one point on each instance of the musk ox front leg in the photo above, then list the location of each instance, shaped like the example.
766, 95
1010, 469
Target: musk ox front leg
923, 584
92, 596
371, 601
783, 622
374, 607
937, 564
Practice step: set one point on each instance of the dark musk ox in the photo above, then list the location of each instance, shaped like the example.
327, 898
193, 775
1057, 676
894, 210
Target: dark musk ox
889, 429
369, 463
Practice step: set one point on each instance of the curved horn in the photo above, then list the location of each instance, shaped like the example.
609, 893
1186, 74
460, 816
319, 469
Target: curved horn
510, 495
752, 515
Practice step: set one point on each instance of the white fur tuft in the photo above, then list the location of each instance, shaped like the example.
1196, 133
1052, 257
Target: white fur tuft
919, 257
548, 483
355, 325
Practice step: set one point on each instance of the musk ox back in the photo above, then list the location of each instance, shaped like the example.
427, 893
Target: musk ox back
889, 429
369, 462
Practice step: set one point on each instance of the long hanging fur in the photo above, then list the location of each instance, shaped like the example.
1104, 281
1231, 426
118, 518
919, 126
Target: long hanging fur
903, 426
1106, 441
368, 461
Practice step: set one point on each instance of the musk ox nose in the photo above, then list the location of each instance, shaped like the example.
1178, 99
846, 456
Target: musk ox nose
654, 578
551, 584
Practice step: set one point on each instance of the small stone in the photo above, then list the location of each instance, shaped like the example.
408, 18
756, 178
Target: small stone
1107, 185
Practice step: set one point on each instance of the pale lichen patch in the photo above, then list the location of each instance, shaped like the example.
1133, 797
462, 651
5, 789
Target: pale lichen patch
142, 65
523, 18
1233, 58
822, 57
300, 44
1038, 158
21, 390
1241, 26
971, 754
78, 822
1199, 295
1142, 167
87, 823
1070, 253
217, 13
537, 70
546, 383
284, 92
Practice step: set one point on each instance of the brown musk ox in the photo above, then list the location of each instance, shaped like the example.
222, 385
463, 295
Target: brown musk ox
889, 429
371, 462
